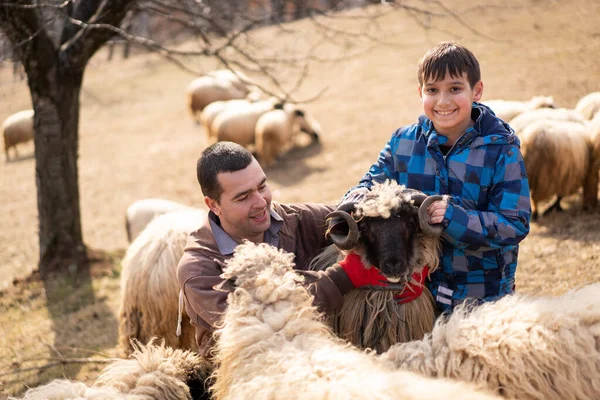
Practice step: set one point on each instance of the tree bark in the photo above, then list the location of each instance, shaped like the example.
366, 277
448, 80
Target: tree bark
56, 151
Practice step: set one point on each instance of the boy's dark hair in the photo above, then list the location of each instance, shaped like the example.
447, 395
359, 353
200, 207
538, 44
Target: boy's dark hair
217, 158
448, 57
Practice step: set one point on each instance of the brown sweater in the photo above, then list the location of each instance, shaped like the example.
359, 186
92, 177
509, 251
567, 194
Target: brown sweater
302, 233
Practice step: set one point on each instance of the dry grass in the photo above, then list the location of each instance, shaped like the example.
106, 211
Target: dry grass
137, 141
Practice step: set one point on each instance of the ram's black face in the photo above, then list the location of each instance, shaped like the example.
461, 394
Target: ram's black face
390, 243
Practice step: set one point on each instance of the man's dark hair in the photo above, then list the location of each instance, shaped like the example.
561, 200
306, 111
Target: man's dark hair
448, 57
217, 158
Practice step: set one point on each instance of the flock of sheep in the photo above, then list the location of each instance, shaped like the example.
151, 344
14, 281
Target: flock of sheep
560, 146
230, 107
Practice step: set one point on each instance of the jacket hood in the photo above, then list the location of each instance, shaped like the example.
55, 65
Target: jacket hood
487, 129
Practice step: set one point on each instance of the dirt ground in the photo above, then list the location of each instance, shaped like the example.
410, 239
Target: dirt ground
137, 140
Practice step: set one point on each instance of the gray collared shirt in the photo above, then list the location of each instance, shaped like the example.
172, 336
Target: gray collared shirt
226, 243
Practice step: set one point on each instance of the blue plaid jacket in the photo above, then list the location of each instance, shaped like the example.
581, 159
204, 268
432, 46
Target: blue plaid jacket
489, 209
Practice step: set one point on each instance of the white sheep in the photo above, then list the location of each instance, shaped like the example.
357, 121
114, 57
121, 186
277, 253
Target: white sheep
210, 112
217, 85
590, 188
589, 105
508, 109
149, 290
557, 158
153, 372
17, 128
521, 347
238, 124
272, 344
555, 114
139, 214
275, 132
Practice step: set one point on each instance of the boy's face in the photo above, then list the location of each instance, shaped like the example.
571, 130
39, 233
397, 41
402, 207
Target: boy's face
245, 204
447, 103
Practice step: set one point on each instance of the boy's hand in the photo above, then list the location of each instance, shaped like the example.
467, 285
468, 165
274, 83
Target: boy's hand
436, 211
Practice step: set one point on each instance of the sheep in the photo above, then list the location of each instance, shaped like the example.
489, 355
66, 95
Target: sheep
154, 372
275, 132
509, 109
273, 344
557, 158
521, 347
388, 228
589, 105
217, 85
149, 290
238, 124
139, 214
210, 112
17, 128
555, 114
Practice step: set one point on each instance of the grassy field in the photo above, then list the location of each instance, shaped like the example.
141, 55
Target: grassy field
137, 140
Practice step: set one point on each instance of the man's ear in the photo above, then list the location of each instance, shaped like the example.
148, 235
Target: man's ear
213, 205
478, 91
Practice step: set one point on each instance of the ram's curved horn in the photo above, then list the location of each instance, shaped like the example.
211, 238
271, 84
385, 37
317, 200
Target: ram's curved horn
344, 232
429, 229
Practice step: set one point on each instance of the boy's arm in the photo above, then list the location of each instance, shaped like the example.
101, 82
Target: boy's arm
506, 222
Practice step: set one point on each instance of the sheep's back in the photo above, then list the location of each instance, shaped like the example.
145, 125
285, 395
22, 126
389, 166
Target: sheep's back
18, 128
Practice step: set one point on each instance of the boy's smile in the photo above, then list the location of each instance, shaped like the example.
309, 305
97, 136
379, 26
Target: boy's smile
447, 103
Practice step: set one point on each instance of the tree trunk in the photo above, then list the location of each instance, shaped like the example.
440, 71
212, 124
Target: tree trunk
56, 105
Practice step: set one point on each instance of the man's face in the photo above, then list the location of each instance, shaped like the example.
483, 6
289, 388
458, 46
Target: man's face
245, 203
447, 103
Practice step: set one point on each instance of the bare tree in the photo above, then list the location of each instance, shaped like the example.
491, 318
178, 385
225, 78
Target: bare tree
55, 39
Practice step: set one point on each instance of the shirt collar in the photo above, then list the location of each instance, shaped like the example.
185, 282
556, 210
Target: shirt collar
226, 243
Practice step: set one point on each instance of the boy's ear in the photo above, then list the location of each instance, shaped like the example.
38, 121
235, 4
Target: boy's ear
478, 91
420, 89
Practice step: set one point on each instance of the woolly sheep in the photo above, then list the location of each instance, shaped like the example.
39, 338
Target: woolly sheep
590, 188
154, 372
589, 105
555, 114
217, 85
139, 214
238, 124
210, 112
390, 231
521, 347
149, 289
17, 128
508, 109
276, 130
557, 157
273, 345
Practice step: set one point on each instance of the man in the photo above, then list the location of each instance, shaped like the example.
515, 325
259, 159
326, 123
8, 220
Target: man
236, 192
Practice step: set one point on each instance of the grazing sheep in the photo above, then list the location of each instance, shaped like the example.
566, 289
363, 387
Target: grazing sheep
520, 347
273, 345
217, 85
509, 109
238, 124
276, 130
140, 213
389, 230
149, 289
153, 372
17, 128
555, 114
557, 157
589, 105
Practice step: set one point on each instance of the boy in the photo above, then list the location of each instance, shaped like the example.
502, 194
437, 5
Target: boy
460, 148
